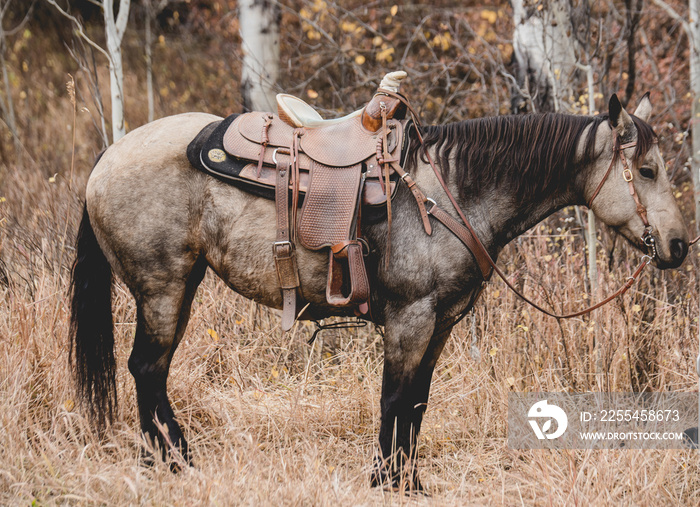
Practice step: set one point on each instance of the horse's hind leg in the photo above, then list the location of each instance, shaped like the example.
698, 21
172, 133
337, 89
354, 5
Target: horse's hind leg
162, 316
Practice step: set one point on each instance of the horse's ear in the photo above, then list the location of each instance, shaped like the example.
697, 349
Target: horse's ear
619, 119
643, 111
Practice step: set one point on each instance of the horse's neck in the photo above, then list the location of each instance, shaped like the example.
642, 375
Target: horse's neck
499, 215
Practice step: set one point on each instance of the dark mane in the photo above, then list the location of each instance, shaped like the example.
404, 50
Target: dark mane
524, 154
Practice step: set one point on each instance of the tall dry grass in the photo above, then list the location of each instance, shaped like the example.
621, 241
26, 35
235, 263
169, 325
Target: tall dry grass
272, 420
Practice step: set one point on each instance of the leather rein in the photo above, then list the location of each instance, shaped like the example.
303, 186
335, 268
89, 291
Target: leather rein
466, 234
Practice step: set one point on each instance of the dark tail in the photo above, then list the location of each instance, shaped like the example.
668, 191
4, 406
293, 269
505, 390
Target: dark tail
92, 337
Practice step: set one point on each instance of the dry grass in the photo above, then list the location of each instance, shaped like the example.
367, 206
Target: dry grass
272, 420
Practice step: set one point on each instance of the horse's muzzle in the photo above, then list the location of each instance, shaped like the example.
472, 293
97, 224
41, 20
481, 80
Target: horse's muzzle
678, 249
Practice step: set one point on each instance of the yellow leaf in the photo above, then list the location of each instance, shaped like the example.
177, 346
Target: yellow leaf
385, 55
493, 351
359, 59
275, 373
348, 26
214, 335
547, 258
239, 322
510, 381
442, 41
636, 308
377, 41
489, 16
52, 179
312, 94
394, 10
3, 199
496, 294
69, 405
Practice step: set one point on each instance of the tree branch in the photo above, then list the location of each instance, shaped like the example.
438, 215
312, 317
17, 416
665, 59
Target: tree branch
79, 27
675, 16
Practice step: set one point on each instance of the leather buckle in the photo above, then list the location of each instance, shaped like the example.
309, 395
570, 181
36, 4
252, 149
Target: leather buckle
286, 264
277, 249
282, 151
627, 175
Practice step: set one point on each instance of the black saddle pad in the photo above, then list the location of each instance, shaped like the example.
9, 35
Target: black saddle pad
206, 153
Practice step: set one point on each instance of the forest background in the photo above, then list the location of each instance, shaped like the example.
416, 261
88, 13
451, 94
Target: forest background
270, 418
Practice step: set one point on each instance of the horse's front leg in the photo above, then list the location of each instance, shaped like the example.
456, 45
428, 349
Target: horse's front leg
412, 345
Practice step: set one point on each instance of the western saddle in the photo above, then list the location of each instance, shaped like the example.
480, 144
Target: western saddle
323, 172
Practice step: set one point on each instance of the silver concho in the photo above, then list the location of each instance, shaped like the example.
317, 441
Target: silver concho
216, 155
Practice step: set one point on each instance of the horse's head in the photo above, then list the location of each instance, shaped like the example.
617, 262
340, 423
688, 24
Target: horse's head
628, 187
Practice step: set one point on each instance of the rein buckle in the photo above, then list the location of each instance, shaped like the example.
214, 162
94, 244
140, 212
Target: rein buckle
627, 175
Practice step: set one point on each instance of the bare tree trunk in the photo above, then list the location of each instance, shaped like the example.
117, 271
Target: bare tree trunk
8, 107
592, 235
545, 52
694, 41
114, 30
149, 60
259, 21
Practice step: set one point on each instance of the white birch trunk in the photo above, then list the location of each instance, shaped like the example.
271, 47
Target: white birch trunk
114, 30
694, 41
545, 53
259, 29
694, 38
149, 60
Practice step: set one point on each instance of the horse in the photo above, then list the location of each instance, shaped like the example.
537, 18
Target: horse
159, 224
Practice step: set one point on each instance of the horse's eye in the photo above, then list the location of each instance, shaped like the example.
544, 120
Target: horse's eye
647, 173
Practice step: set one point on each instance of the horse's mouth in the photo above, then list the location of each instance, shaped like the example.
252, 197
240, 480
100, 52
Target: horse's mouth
677, 250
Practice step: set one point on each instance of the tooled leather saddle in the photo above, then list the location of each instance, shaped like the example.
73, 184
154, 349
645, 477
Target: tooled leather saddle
322, 174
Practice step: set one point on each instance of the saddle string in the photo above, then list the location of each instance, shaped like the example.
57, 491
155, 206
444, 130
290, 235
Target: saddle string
265, 141
295, 180
469, 237
385, 162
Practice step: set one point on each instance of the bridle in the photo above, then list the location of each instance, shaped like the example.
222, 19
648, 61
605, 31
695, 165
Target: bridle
466, 234
647, 236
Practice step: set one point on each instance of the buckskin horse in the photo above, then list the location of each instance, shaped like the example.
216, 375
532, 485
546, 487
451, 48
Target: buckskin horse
159, 223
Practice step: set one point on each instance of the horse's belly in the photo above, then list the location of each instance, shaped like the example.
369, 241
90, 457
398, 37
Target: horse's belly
239, 230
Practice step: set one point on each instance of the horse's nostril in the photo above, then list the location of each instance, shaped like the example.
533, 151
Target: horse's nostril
679, 249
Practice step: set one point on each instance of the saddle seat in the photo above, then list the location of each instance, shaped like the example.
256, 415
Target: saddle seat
297, 113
